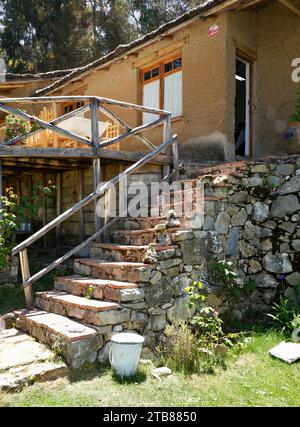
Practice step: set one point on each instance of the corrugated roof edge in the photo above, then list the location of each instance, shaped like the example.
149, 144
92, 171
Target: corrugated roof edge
122, 49
10, 77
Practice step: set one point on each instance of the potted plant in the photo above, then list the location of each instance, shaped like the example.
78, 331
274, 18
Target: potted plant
29, 205
292, 135
8, 264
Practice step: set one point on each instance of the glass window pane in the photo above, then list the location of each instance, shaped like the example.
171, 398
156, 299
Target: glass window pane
177, 63
168, 67
147, 75
155, 72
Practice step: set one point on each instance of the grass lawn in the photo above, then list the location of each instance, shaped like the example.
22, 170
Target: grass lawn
252, 378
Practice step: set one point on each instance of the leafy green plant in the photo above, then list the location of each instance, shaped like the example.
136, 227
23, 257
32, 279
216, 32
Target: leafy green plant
222, 273
7, 226
89, 292
285, 315
296, 114
29, 205
16, 126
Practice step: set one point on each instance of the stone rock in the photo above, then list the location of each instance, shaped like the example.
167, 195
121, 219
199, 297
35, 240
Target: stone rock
265, 280
208, 223
284, 205
222, 223
158, 322
291, 186
259, 168
147, 354
285, 169
240, 218
160, 228
239, 198
131, 225
150, 256
296, 218
296, 245
247, 250
180, 310
273, 181
182, 235
279, 263
167, 254
288, 227
193, 252
155, 280
233, 242
255, 181
172, 219
266, 246
181, 283
293, 279
161, 372
260, 212
112, 317
254, 266
103, 354
139, 320
131, 295
161, 293
165, 265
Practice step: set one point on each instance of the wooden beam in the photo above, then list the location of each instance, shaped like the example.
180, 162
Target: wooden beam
96, 161
80, 197
290, 6
78, 153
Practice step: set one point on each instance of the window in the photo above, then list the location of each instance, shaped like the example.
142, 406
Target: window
71, 106
162, 87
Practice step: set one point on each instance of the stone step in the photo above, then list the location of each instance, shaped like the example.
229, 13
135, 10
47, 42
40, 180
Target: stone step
78, 343
140, 237
73, 306
97, 288
123, 253
129, 271
141, 223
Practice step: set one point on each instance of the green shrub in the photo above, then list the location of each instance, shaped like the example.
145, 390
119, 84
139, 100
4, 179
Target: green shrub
285, 315
7, 226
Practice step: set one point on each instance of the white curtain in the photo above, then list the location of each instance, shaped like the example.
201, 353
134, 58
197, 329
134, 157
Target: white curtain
151, 99
173, 94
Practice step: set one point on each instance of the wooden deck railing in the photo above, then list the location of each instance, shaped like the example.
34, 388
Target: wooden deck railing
95, 104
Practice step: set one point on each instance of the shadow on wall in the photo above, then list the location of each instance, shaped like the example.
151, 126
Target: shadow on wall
210, 147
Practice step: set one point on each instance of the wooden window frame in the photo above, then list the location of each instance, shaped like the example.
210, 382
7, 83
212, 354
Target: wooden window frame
161, 77
71, 103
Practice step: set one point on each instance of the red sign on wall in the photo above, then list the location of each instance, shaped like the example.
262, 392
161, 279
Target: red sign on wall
213, 30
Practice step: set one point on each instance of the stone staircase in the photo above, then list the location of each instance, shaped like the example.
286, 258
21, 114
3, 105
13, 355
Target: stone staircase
105, 295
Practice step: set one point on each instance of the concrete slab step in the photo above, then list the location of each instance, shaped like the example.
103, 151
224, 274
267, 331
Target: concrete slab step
123, 253
141, 222
99, 289
119, 271
78, 343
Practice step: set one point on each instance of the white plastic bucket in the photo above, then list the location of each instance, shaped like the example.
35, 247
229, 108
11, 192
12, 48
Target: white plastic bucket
125, 352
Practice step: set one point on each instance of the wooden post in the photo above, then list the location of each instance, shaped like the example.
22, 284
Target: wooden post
96, 161
25, 276
1, 186
80, 197
45, 239
58, 208
166, 137
176, 159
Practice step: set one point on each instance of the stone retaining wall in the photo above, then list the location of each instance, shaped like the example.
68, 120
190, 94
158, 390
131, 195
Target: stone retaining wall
252, 219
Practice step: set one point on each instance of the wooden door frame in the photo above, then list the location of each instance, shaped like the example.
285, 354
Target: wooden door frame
251, 61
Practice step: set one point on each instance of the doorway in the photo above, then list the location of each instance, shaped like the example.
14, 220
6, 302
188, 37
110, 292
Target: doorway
242, 134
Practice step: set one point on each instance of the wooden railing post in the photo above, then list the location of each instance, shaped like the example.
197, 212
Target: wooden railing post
25, 276
96, 160
166, 137
176, 159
